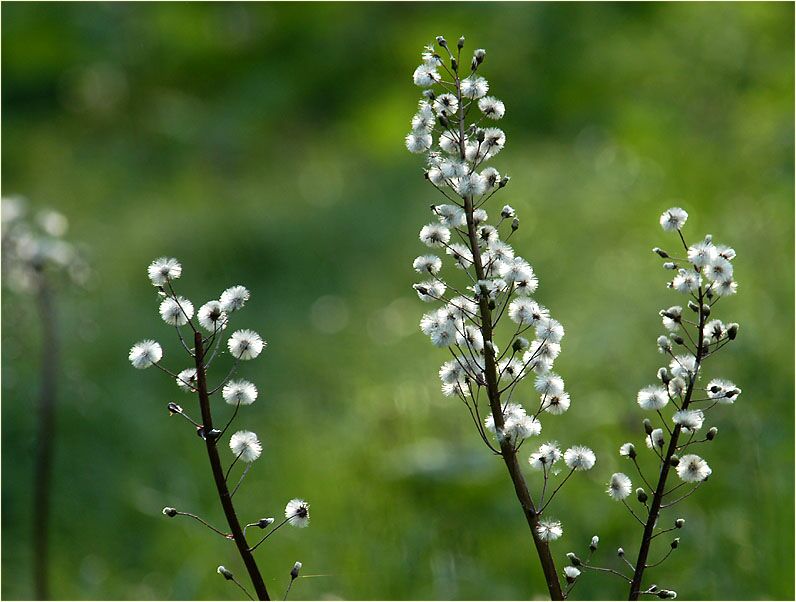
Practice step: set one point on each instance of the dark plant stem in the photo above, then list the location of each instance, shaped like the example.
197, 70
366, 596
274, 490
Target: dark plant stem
218, 476
660, 489
44, 439
507, 451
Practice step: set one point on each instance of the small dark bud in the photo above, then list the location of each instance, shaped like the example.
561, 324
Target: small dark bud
294, 572
442, 42
709, 293
660, 252
674, 460
454, 64
667, 594
473, 65
669, 265
519, 344
515, 224
421, 289
264, 522
693, 306
460, 43
641, 495
491, 304
429, 94
443, 120
170, 512
594, 543
647, 426
663, 375
732, 331
705, 309
631, 451
479, 55
677, 339
620, 552
225, 573
174, 408
213, 434
480, 135
711, 434
504, 181
200, 430
573, 560
675, 543
678, 524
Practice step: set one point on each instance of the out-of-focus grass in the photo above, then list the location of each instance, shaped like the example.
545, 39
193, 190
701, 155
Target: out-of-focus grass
262, 144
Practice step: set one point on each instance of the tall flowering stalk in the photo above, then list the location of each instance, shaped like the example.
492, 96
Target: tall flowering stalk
203, 346
704, 275
450, 129
35, 256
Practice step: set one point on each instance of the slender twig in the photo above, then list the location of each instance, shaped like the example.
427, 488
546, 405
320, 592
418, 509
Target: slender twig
649, 566
229, 470
243, 476
205, 523
287, 591
682, 497
641, 522
236, 582
552, 495
235, 413
271, 532
606, 570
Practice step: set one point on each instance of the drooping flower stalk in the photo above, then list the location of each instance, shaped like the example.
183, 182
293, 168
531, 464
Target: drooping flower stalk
704, 275
243, 345
498, 284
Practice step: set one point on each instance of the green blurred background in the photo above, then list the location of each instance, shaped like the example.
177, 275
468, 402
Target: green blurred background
263, 144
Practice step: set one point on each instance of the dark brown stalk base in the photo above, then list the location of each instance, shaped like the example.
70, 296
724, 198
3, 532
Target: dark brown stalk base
218, 476
44, 441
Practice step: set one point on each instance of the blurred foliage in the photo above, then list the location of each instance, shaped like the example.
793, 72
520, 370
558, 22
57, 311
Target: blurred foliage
262, 144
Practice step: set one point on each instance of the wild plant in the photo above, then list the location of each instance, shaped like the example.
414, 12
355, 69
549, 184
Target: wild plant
489, 287
703, 275
206, 333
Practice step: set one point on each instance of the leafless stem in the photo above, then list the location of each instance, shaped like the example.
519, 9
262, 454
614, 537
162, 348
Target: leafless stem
45, 437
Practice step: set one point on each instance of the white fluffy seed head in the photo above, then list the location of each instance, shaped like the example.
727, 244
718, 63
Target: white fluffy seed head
234, 298
211, 317
620, 486
692, 469
579, 457
652, 398
245, 344
549, 530
186, 380
244, 444
164, 269
297, 513
239, 392
145, 353
176, 311
673, 219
